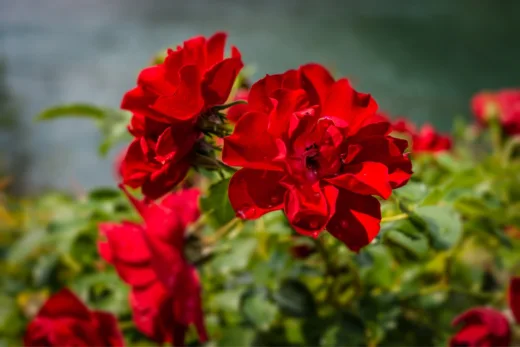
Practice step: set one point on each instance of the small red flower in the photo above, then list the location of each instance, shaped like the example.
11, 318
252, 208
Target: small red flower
423, 140
166, 289
481, 327
167, 103
65, 321
503, 104
315, 148
428, 140
514, 297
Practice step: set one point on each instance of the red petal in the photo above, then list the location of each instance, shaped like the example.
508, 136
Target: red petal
153, 78
64, 304
108, 329
253, 193
496, 323
259, 95
388, 151
308, 208
348, 107
164, 180
291, 80
194, 52
368, 178
514, 297
126, 242
235, 53
175, 142
289, 101
186, 203
152, 311
316, 80
472, 336
215, 48
138, 101
250, 145
188, 303
219, 80
356, 221
186, 103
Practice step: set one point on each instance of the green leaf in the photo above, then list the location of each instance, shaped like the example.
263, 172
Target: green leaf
237, 257
348, 331
258, 310
443, 224
105, 193
237, 336
26, 245
412, 191
379, 273
114, 129
111, 122
216, 202
406, 235
228, 300
415, 244
295, 299
471, 206
72, 110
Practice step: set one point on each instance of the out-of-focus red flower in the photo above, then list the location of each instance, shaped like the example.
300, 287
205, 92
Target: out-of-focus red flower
235, 112
512, 231
423, 140
315, 148
428, 140
169, 100
514, 297
166, 290
65, 321
403, 125
481, 327
503, 105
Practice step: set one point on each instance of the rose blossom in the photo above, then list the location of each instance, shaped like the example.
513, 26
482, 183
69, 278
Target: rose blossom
423, 140
481, 327
503, 105
169, 102
428, 140
315, 148
165, 289
65, 321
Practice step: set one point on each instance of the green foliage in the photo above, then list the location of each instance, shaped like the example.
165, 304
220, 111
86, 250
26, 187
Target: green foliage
447, 243
112, 123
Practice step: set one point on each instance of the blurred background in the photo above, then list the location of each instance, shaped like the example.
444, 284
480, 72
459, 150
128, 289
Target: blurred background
421, 59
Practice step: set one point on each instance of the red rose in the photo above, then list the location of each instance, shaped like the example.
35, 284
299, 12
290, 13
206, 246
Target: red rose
235, 112
166, 290
314, 147
159, 157
503, 105
514, 297
167, 103
481, 327
428, 140
65, 321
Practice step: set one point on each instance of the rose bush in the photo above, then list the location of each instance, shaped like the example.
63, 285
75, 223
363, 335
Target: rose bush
215, 235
